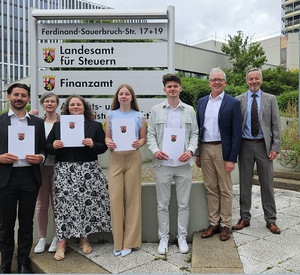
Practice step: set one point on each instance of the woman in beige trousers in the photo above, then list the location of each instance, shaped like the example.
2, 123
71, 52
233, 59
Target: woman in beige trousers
125, 167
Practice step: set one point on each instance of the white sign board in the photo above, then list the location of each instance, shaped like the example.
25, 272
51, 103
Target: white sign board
104, 55
96, 31
99, 82
101, 105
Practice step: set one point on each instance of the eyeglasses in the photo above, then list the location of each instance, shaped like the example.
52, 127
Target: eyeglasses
217, 80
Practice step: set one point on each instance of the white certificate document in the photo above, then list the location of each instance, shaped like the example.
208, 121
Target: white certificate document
21, 140
173, 142
123, 134
72, 130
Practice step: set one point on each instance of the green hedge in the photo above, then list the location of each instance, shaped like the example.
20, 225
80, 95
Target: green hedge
287, 98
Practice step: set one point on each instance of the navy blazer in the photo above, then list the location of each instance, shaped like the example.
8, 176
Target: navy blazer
6, 169
92, 129
230, 125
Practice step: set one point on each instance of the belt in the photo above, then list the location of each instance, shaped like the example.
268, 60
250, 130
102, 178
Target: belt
212, 142
258, 140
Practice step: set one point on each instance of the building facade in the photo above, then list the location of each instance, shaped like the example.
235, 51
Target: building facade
14, 37
290, 16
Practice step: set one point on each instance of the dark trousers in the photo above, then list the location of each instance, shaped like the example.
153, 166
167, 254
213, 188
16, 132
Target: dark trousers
251, 153
17, 197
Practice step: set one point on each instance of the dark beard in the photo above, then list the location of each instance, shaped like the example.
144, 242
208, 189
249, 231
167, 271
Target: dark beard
20, 107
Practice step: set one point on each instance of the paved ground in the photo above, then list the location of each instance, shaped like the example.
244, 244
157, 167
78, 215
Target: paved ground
253, 250
258, 249
261, 251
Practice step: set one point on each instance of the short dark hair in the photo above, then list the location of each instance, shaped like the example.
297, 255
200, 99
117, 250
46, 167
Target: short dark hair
171, 77
18, 85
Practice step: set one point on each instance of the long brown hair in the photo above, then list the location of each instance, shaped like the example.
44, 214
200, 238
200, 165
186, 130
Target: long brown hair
88, 112
116, 104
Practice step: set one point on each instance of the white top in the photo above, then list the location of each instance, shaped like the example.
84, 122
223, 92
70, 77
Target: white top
50, 159
211, 125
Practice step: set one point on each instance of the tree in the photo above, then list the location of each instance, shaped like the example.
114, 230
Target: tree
243, 54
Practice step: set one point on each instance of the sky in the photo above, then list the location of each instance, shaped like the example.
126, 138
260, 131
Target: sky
197, 21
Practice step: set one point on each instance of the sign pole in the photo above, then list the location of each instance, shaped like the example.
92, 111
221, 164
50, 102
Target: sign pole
33, 63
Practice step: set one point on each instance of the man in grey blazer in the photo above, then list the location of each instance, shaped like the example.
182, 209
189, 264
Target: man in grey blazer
261, 145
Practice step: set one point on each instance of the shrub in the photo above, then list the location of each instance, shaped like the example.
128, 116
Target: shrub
290, 148
288, 101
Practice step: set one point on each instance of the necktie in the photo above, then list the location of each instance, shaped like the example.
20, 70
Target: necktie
254, 117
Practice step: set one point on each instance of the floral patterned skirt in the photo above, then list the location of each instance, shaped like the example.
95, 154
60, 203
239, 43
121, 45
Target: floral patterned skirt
81, 200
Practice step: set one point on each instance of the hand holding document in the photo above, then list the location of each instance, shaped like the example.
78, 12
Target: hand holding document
72, 130
21, 140
173, 142
123, 134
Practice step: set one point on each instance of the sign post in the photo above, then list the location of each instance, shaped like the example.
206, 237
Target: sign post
71, 56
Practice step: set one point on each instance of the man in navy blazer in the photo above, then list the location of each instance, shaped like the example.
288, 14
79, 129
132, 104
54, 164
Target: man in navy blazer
19, 182
219, 120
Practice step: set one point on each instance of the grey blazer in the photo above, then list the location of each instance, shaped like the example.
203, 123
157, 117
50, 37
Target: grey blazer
269, 119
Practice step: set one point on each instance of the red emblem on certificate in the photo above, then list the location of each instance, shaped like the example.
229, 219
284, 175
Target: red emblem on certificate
21, 136
173, 138
123, 129
72, 125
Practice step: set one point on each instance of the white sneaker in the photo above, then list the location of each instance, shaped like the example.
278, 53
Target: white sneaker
183, 246
41, 245
163, 246
53, 245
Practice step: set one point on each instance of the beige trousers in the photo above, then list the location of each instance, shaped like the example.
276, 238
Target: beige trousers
218, 185
124, 179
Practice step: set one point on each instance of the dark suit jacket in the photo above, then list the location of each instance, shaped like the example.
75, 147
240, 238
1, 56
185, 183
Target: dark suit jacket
92, 129
6, 169
230, 125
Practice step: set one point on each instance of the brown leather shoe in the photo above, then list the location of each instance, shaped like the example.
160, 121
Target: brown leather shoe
225, 233
241, 224
273, 227
210, 231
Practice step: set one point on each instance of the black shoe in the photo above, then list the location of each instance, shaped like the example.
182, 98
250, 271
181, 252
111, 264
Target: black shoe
24, 268
5, 270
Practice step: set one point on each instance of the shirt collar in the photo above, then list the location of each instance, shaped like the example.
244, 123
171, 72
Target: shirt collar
11, 113
251, 93
220, 96
167, 105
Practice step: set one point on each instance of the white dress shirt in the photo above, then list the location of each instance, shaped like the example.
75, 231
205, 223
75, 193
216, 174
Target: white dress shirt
211, 126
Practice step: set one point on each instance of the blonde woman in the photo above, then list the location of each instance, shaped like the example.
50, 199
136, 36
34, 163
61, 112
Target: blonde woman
124, 174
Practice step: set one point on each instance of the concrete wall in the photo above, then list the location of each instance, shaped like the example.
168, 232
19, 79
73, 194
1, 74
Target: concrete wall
198, 215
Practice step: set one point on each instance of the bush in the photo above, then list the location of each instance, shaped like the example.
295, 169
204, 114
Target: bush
287, 101
193, 89
235, 90
290, 148
275, 87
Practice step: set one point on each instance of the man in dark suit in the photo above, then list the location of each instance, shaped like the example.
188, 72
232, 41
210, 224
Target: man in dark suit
19, 182
220, 130
261, 145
